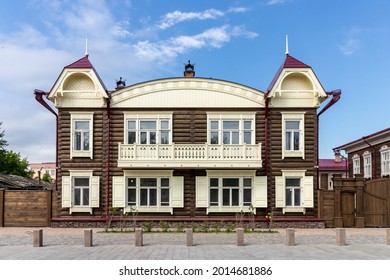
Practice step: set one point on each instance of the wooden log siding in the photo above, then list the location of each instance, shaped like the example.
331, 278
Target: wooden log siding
277, 164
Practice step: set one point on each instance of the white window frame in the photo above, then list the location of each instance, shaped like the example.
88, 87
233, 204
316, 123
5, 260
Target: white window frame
299, 117
68, 191
385, 160
148, 116
356, 164
230, 116
203, 191
367, 165
120, 191
306, 191
81, 116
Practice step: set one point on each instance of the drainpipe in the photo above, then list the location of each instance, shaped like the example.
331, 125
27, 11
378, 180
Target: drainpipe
266, 135
373, 158
39, 97
336, 97
108, 158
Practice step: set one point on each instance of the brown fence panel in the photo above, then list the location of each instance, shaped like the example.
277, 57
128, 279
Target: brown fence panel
376, 202
26, 208
326, 207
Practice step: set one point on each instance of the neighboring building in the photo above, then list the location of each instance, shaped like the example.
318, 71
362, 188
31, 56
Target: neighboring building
186, 148
329, 167
370, 155
42, 168
15, 182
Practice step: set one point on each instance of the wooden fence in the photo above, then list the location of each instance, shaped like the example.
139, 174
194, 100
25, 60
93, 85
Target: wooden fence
356, 202
25, 208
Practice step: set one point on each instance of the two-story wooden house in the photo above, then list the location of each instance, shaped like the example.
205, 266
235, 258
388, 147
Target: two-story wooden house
186, 148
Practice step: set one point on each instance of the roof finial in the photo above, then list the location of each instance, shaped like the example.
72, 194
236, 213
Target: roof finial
86, 46
286, 44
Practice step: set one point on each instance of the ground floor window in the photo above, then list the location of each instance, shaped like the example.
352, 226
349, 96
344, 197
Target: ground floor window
230, 191
293, 192
151, 191
81, 191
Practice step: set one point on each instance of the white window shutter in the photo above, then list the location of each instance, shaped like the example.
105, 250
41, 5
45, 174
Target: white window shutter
308, 192
94, 194
66, 193
118, 191
260, 191
280, 192
177, 195
201, 192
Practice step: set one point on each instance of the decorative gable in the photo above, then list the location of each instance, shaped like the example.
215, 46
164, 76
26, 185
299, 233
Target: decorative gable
78, 86
295, 85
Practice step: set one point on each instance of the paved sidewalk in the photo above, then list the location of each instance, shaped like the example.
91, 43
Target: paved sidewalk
310, 244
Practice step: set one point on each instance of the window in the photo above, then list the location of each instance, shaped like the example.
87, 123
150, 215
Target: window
152, 191
367, 165
294, 191
146, 129
293, 134
385, 161
231, 128
356, 164
230, 191
80, 191
148, 191
81, 140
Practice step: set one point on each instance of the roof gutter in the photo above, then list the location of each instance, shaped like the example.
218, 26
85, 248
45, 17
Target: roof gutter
336, 97
39, 94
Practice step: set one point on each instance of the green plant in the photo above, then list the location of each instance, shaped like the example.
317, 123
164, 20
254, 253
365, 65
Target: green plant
180, 227
205, 227
147, 226
194, 227
239, 218
164, 226
230, 228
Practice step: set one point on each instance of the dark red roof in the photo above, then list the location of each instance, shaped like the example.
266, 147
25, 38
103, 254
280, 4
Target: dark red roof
332, 164
81, 63
289, 62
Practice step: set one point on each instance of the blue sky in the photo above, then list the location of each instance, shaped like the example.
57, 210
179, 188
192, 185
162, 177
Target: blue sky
346, 43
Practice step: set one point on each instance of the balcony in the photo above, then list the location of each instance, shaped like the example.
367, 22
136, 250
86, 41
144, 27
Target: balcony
189, 156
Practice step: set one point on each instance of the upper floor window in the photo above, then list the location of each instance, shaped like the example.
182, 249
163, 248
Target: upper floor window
231, 128
148, 129
82, 134
385, 161
356, 164
293, 134
367, 165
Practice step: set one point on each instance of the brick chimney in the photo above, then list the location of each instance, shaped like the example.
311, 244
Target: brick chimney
189, 70
337, 156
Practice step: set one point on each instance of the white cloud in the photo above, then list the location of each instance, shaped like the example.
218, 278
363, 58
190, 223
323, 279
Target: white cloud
175, 17
275, 2
351, 43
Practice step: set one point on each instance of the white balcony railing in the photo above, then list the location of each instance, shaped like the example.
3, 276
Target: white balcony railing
189, 155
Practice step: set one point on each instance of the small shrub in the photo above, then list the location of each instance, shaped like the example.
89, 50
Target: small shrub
147, 226
164, 226
180, 227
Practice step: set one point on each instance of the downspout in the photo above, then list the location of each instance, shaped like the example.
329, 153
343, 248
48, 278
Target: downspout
336, 97
39, 97
266, 135
373, 158
108, 159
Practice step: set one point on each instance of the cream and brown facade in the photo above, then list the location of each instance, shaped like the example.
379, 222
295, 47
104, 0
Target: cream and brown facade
187, 148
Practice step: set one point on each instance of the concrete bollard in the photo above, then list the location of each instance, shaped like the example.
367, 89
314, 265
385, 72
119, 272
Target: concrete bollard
139, 237
341, 238
189, 237
240, 237
290, 237
38, 238
88, 238
388, 236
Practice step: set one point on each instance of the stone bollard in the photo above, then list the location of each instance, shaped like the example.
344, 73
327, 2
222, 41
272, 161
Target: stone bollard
240, 236
38, 238
341, 238
290, 237
138, 237
189, 237
88, 238
388, 236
